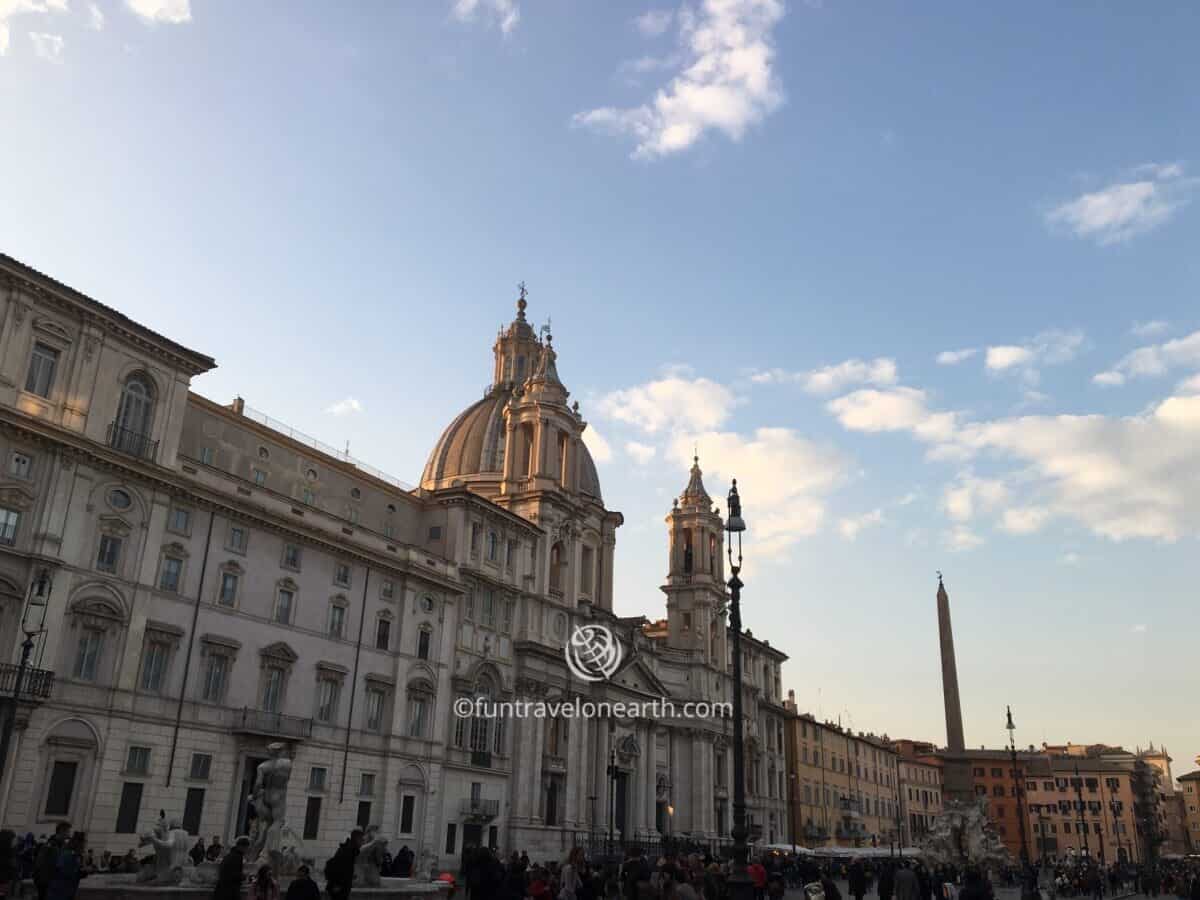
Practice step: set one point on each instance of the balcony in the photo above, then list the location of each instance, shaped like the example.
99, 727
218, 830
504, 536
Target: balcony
260, 721
132, 443
479, 810
37, 683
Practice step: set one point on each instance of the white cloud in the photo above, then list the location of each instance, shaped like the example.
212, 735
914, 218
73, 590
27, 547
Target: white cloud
960, 538
1050, 348
344, 407
1154, 359
1126, 209
1024, 519
597, 445
726, 83
47, 46
783, 479
95, 17
1070, 559
1139, 629
954, 357
1152, 328
962, 499
897, 409
170, 12
654, 22
640, 453
670, 403
1189, 385
850, 527
833, 379
9, 9
504, 13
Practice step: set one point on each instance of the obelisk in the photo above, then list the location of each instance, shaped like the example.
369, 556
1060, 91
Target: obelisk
956, 771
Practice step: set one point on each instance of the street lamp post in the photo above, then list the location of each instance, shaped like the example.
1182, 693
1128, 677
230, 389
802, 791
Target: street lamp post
1018, 788
33, 623
740, 886
612, 784
1082, 822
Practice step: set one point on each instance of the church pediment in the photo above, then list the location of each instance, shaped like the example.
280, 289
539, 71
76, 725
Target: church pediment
279, 651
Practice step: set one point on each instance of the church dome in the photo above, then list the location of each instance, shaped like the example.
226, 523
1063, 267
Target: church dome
474, 445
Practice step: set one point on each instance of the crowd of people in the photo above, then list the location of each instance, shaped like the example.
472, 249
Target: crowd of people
56, 863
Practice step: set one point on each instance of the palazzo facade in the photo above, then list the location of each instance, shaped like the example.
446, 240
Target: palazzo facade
219, 582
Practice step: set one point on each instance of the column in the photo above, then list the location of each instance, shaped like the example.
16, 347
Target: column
510, 448
522, 741
534, 761
539, 446
650, 772
574, 742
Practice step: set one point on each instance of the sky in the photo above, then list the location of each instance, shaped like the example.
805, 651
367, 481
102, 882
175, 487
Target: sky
923, 278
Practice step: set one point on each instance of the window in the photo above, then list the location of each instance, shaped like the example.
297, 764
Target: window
172, 569
87, 655
206, 455
273, 689
308, 498
61, 789
408, 805
316, 778
154, 666
134, 413
997, 773
493, 544
586, 566
423, 638
180, 520
119, 499
366, 784
510, 554
352, 515
291, 556
131, 804
137, 762
8, 525
476, 532
507, 622
312, 818
435, 532
193, 810
383, 634
109, 553
337, 620
451, 834
388, 590
260, 477
327, 697
341, 574
283, 606
375, 701
42, 364
489, 608
201, 766
229, 586
216, 673
418, 710
237, 538
19, 464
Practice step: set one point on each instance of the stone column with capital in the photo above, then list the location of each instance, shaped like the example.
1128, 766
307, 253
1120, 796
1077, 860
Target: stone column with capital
650, 777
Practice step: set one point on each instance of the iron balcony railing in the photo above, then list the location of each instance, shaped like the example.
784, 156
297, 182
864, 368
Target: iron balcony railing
260, 721
480, 808
133, 443
36, 683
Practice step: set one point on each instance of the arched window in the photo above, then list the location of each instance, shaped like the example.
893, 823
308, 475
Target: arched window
480, 725
137, 405
556, 566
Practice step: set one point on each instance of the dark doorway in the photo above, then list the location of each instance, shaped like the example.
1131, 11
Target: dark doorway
472, 836
244, 819
619, 820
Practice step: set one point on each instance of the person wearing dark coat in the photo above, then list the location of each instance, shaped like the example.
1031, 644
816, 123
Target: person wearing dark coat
303, 887
403, 863
231, 873
339, 871
886, 886
858, 880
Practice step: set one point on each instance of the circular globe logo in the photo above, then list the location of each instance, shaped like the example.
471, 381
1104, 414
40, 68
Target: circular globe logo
593, 653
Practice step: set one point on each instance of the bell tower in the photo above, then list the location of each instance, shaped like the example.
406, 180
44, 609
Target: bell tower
695, 585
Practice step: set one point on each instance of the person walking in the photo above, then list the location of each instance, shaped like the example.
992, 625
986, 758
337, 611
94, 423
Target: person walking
10, 866
68, 869
303, 887
886, 886
230, 874
570, 880
907, 885
339, 871
857, 878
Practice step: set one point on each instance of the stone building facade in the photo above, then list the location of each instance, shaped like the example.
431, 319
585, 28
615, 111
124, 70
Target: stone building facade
845, 788
219, 582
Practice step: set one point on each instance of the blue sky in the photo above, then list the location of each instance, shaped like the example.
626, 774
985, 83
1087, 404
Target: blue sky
757, 227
